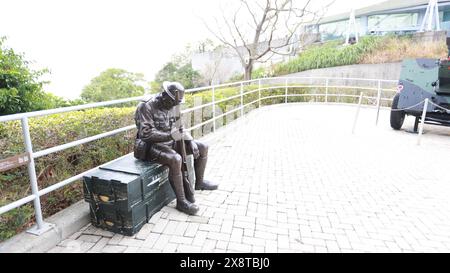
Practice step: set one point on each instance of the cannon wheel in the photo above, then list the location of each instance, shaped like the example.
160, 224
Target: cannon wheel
397, 117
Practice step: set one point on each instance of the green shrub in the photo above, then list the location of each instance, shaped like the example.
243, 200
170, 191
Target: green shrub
50, 131
330, 54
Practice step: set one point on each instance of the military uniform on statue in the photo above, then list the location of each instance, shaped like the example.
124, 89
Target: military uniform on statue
161, 139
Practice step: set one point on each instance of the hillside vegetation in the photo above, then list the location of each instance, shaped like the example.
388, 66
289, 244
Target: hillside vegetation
369, 50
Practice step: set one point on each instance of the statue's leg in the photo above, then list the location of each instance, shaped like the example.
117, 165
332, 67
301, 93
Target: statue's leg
200, 167
173, 161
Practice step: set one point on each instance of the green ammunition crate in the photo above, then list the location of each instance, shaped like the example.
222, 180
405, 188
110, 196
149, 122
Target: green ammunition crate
105, 215
124, 194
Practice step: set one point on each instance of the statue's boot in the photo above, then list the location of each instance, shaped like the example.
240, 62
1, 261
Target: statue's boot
189, 191
200, 183
183, 204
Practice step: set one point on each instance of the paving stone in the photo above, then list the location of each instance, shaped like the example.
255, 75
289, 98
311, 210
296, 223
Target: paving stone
271, 246
188, 249
191, 229
132, 249
218, 236
209, 227
90, 230
227, 227
200, 238
181, 240
236, 235
99, 245
222, 245
104, 233
57, 249
115, 240
131, 242
170, 227
208, 245
89, 238
198, 219
160, 225
75, 236
114, 249
258, 249
239, 247
161, 242
151, 239
144, 232
170, 248
253, 241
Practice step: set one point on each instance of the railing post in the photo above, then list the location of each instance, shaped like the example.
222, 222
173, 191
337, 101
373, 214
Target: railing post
286, 93
357, 112
214, 107
40, 227
242, 99
259, 93
378, 101
422, 122
326, 90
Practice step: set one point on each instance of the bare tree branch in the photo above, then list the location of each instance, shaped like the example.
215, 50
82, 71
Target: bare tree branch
250, 11
274, 26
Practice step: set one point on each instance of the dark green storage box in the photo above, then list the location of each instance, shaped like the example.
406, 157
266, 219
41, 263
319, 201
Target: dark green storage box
125, 194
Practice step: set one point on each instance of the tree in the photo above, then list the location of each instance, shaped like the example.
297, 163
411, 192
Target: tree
179, 69
180, 72
205, 46
256, 30
20, 87
113, 83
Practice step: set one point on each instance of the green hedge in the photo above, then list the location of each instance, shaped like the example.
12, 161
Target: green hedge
48, 132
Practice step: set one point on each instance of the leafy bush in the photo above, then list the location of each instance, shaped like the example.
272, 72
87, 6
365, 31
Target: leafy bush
20, 87
177, 71
113, 83
50, 131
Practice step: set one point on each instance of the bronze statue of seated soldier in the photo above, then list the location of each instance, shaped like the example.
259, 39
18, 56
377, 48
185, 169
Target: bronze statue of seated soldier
157, 138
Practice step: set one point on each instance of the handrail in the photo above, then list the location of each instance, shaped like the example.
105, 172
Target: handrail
66, 109
35, 196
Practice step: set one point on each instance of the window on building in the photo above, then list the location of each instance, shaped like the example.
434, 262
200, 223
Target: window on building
446, 16
393, 22
337, 30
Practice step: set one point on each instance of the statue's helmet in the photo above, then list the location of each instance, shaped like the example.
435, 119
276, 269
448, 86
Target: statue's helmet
171, 88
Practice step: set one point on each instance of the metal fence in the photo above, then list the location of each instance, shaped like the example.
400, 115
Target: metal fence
260, 86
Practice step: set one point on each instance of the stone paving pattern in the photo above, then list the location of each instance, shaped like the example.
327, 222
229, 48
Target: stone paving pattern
293, 178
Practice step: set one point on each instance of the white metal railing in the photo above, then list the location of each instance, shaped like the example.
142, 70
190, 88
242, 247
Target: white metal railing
265, 84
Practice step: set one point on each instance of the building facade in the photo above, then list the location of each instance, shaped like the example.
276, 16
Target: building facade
394, 16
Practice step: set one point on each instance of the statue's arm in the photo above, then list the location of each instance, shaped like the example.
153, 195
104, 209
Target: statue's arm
147, 130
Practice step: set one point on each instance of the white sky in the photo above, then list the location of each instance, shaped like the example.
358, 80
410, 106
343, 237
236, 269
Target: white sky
78, 39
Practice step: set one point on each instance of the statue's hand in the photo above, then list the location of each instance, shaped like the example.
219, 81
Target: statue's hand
187, 136
176, 134
195, 150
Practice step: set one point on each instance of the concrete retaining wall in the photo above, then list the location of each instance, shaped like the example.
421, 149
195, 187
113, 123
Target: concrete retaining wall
388, 71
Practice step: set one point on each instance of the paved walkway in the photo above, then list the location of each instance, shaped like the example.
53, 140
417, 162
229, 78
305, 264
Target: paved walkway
294, 179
